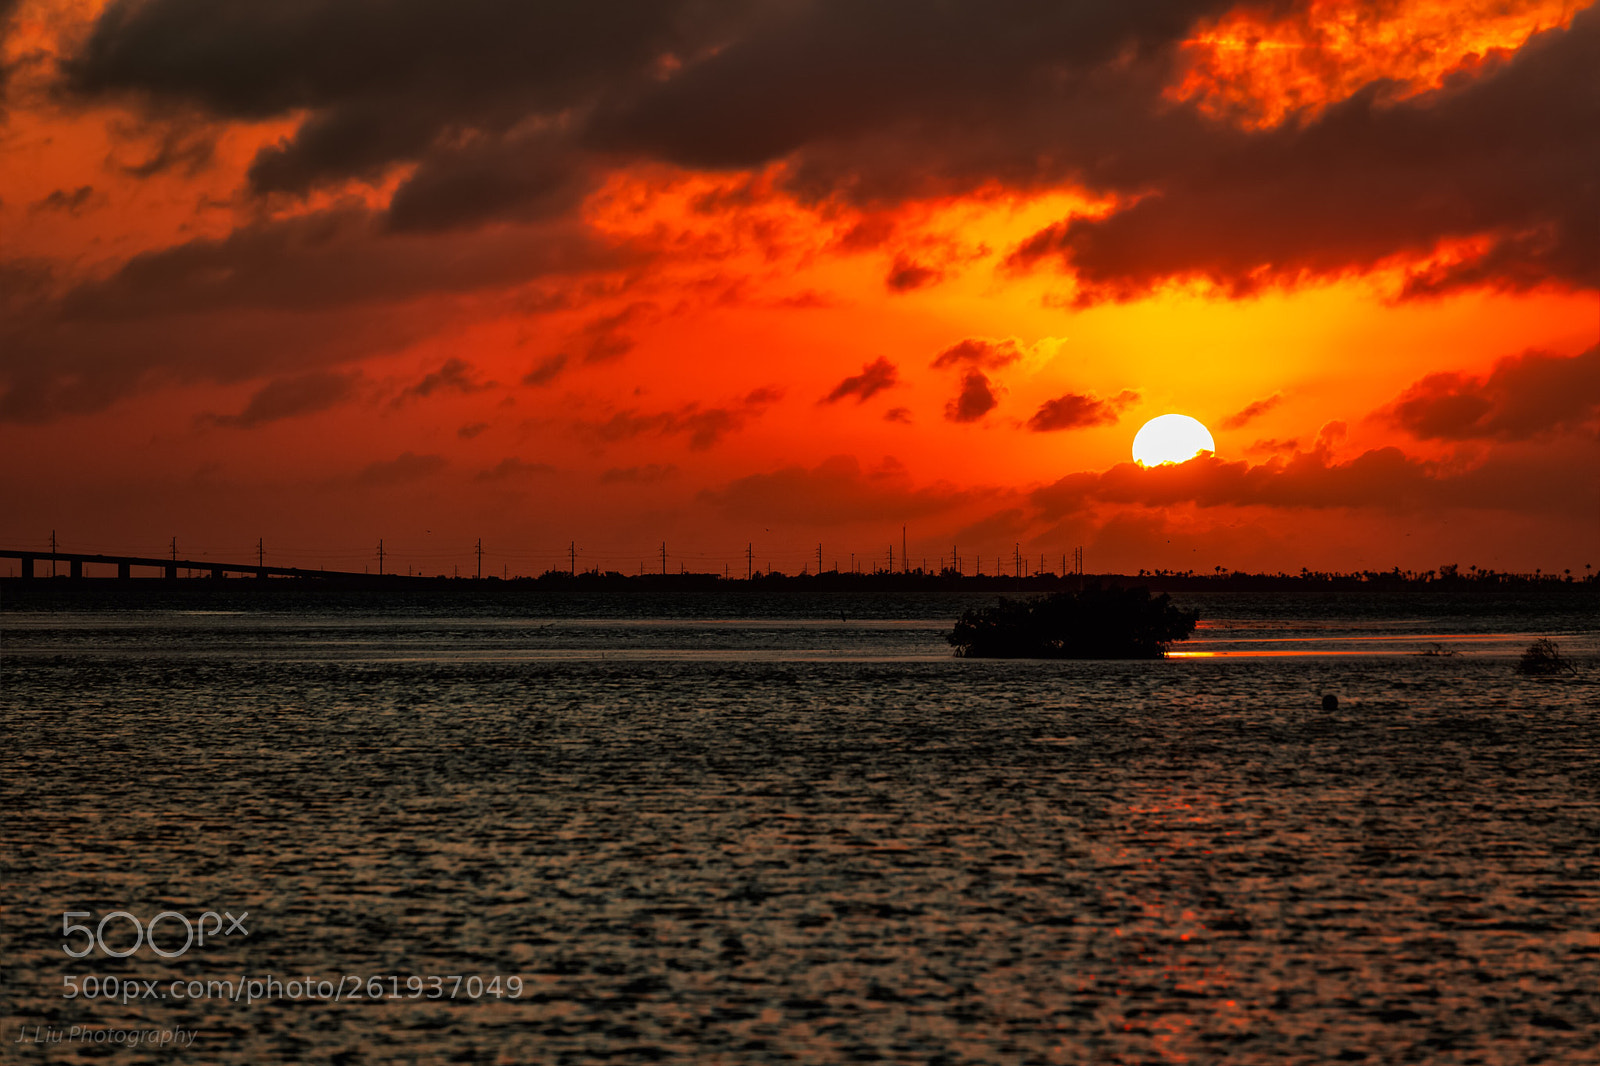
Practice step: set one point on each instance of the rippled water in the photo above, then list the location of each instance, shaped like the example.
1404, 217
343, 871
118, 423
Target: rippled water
805, 838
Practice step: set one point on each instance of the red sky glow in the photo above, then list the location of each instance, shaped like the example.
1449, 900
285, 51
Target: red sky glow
729, 273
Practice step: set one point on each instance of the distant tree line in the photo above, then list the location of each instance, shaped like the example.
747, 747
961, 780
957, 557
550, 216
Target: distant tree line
1449, 575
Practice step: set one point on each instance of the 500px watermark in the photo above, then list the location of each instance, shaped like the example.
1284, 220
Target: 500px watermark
249, 989
144, 933
83, 1034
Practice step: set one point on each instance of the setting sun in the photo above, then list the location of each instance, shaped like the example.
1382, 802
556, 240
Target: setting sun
1171, 439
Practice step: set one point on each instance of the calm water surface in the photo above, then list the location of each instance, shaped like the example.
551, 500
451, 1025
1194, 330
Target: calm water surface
809, 837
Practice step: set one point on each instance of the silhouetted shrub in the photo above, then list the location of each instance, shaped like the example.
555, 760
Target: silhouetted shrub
1096, 623
1543, 657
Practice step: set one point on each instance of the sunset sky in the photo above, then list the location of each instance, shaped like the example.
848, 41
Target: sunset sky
716, 273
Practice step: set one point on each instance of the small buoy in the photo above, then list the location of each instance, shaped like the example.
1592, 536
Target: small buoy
1330, 702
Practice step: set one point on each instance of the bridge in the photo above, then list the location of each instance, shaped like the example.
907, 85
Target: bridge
169, 567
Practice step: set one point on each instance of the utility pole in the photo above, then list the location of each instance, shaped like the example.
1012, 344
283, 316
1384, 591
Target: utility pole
261, 551
891, 558
380, 556
819, 558
749, 554
53, 552
479, 550
663, 558
572, 558
905, 560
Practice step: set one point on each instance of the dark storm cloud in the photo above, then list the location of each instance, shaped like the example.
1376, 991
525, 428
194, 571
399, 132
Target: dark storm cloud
71, 203
382, 81
1250, 412
1513, 479
839, 71
906, 274
975, 351
1493, 157
330, 258
288, 397
975, 399
505, 107
514, 469
704, 426
455, 375
1006, 526
522, 178
1524, 396
179, 146
50, 367
25, 285
835, 491
546, 370
1272, 445
8, 11
648, 474
510, 113
1075, 411
1309, 479
403, 469
602, 339
263, 298
766, 394
876, 376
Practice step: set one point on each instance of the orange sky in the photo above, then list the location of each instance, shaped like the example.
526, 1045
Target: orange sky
783, 275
